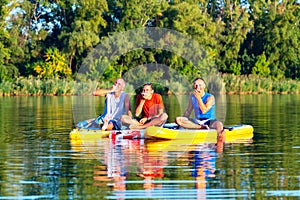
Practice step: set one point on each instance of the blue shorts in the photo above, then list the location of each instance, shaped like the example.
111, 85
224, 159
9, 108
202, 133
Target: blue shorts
97, 123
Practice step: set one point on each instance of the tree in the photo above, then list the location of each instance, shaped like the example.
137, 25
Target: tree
8, 69
191, 18
137, 14
54, 65
82, 27
283, 40
261, 66
237, 26
127, 15
276, 32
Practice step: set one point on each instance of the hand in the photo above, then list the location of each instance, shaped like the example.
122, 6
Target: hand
197, 94
146, 96
143, 120
113, 88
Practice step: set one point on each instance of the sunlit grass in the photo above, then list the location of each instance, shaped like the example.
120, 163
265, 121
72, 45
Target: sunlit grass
255, 84
227, 83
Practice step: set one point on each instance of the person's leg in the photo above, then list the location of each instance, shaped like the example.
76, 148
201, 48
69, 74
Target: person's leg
218, 126
221, 137
157, 121
186, 123
105, 124
128, 120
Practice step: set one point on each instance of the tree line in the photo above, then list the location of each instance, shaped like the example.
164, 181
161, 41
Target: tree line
50, 39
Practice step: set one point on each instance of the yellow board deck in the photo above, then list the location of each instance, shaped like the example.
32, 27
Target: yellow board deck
203, 135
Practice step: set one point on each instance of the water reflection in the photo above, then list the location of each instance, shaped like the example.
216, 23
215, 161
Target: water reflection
139, 168
37, 160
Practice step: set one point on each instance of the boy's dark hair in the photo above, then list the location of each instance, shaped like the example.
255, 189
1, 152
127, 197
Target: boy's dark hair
149, 83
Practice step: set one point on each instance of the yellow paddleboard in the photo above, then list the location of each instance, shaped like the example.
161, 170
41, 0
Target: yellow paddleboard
187, 140
203, 135
84, 134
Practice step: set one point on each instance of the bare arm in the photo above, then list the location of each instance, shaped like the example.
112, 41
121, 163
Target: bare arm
159, 106
189, 109
209, 103
139, 108
103, 92
159, 112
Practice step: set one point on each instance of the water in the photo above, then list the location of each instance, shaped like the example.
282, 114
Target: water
38, 160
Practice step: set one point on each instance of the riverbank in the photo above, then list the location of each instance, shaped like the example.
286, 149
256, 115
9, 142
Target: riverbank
228, 83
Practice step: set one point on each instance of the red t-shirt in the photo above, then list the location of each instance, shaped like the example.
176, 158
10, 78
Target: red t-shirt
152, 106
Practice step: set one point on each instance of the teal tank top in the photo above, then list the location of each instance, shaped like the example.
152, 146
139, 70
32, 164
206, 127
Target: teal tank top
210, 114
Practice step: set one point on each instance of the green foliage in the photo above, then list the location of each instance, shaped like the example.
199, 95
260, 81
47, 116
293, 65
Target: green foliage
54, 65
84, 88
177, 84
215, 83
136, 14
236, 28
36, 86
264, 84
276, 33
261, 66
247, 62
235, 67
6, 88
82, 26
4, 54
8, 70
258, 37
30, 86
190, 19
258, 84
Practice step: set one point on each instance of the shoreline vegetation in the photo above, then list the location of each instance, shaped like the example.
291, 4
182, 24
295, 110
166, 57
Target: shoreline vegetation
238, 47
228, 84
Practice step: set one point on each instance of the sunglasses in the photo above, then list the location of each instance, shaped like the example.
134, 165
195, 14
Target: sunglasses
148, 83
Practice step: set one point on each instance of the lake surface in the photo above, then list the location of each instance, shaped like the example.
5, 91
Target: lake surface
38, 160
